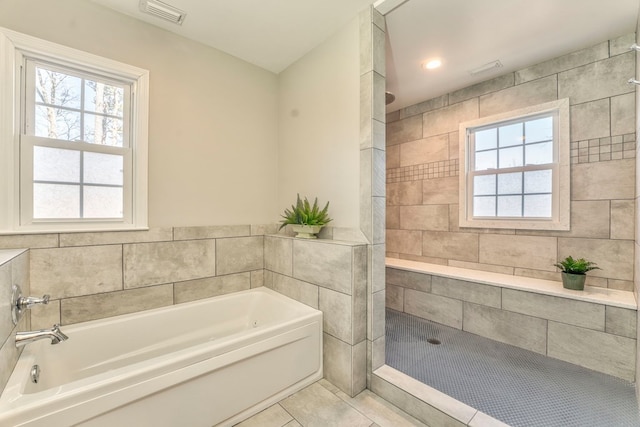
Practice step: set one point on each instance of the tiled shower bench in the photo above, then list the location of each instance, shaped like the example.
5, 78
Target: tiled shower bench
594, 328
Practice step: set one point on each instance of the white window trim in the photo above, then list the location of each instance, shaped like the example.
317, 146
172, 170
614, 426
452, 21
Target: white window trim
13, 46
561, 217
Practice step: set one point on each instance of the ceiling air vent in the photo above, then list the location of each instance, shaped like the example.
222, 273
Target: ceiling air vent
163, 11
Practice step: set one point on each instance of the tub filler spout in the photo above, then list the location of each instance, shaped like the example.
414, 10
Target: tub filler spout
54, 334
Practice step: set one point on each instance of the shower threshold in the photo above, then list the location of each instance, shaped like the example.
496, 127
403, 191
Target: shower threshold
513, 385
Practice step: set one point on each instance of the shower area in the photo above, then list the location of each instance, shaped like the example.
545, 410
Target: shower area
478, 329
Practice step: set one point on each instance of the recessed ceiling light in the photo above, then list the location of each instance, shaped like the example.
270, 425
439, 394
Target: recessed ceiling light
431, 65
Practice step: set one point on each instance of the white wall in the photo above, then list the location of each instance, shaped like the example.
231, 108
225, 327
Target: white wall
213, 118
319, 116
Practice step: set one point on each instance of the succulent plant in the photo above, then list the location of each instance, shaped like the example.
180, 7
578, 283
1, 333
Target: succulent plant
306, 214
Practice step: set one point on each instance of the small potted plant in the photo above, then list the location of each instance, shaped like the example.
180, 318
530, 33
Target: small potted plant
574, 272
306, 220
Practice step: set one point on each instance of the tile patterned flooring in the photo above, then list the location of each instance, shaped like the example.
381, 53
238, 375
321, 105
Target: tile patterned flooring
323, 405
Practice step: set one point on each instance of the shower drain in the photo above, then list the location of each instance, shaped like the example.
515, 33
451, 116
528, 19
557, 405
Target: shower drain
434, 341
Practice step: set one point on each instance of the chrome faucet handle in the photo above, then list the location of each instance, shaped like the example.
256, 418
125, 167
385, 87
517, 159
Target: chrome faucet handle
28, 302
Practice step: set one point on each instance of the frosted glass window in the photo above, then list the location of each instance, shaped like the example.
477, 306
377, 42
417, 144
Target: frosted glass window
484, 206
540, 181
486, 160
486, 139
510, 183
539, 130
56, 201
484, 184
510, 206
510, 157
537, 206
510, 135
102, 202
103, 169
54, 164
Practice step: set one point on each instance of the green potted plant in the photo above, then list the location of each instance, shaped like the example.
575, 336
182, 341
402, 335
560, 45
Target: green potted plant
574, 272
306, 220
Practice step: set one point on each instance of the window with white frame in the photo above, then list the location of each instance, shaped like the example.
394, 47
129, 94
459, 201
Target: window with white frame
77, 152
516, 169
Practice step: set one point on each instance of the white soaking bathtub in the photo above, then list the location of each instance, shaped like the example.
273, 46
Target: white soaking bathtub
204, 363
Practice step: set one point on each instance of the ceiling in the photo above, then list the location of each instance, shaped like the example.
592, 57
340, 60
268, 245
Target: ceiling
465, 34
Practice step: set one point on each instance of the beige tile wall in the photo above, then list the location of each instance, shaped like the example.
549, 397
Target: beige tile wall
331, 276
593, 335
423, 168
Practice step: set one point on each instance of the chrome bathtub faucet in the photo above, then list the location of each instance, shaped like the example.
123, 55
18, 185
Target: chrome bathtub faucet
54, 334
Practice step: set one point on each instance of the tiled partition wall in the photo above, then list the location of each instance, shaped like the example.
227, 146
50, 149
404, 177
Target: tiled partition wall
14, 269
423, 168
332, 277
596, 335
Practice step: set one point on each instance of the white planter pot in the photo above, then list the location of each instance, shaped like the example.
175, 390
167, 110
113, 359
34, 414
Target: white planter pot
306, 231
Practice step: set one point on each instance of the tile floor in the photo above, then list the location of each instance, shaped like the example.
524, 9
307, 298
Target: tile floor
322, 404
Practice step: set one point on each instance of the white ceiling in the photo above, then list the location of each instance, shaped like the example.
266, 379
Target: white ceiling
464, 33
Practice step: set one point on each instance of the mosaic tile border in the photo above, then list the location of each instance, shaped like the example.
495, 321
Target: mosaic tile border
603, 149
441, 169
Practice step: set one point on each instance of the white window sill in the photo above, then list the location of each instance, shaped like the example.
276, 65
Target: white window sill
605, 296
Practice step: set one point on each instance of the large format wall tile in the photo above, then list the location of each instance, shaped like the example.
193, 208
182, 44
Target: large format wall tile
303, 292
235, 255
427, 150
621, 321
573, 312
590, 120
483, 88
614, 257
336, 314
404, 193
404, 241
448, 119
597, 80
155, 263
442, 244
408, 129
466, 291
211, 232
278, 254
425, 217
524, 251
603, 180
327, 265
91, 307
510, 328
6, 324
611, 354
623, 113
447, 311
394, 297
191, 290
70, 272
116, 237
408, 279
622, 219
31, 241
439, 191
520, 96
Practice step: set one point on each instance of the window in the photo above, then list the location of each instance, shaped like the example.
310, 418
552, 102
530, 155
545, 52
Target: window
516, 172
76, 152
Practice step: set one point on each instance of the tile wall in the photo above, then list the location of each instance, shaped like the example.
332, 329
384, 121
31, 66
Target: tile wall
332, 277
594, 335
14, 269
423, 171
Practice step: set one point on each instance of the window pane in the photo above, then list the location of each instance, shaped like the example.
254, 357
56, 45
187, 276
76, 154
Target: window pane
510, 135
54, 164
510, 183
103, 168
486, 139
102, 202
510, 157
57, 123
56, 201
539, 130
539, 154
484, 185
538, 181
486, 160
509, 205
57, 88
104, 98
484, 206
103, 130
537, 206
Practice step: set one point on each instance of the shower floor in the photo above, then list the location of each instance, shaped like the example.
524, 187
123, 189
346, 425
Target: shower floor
516, 386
